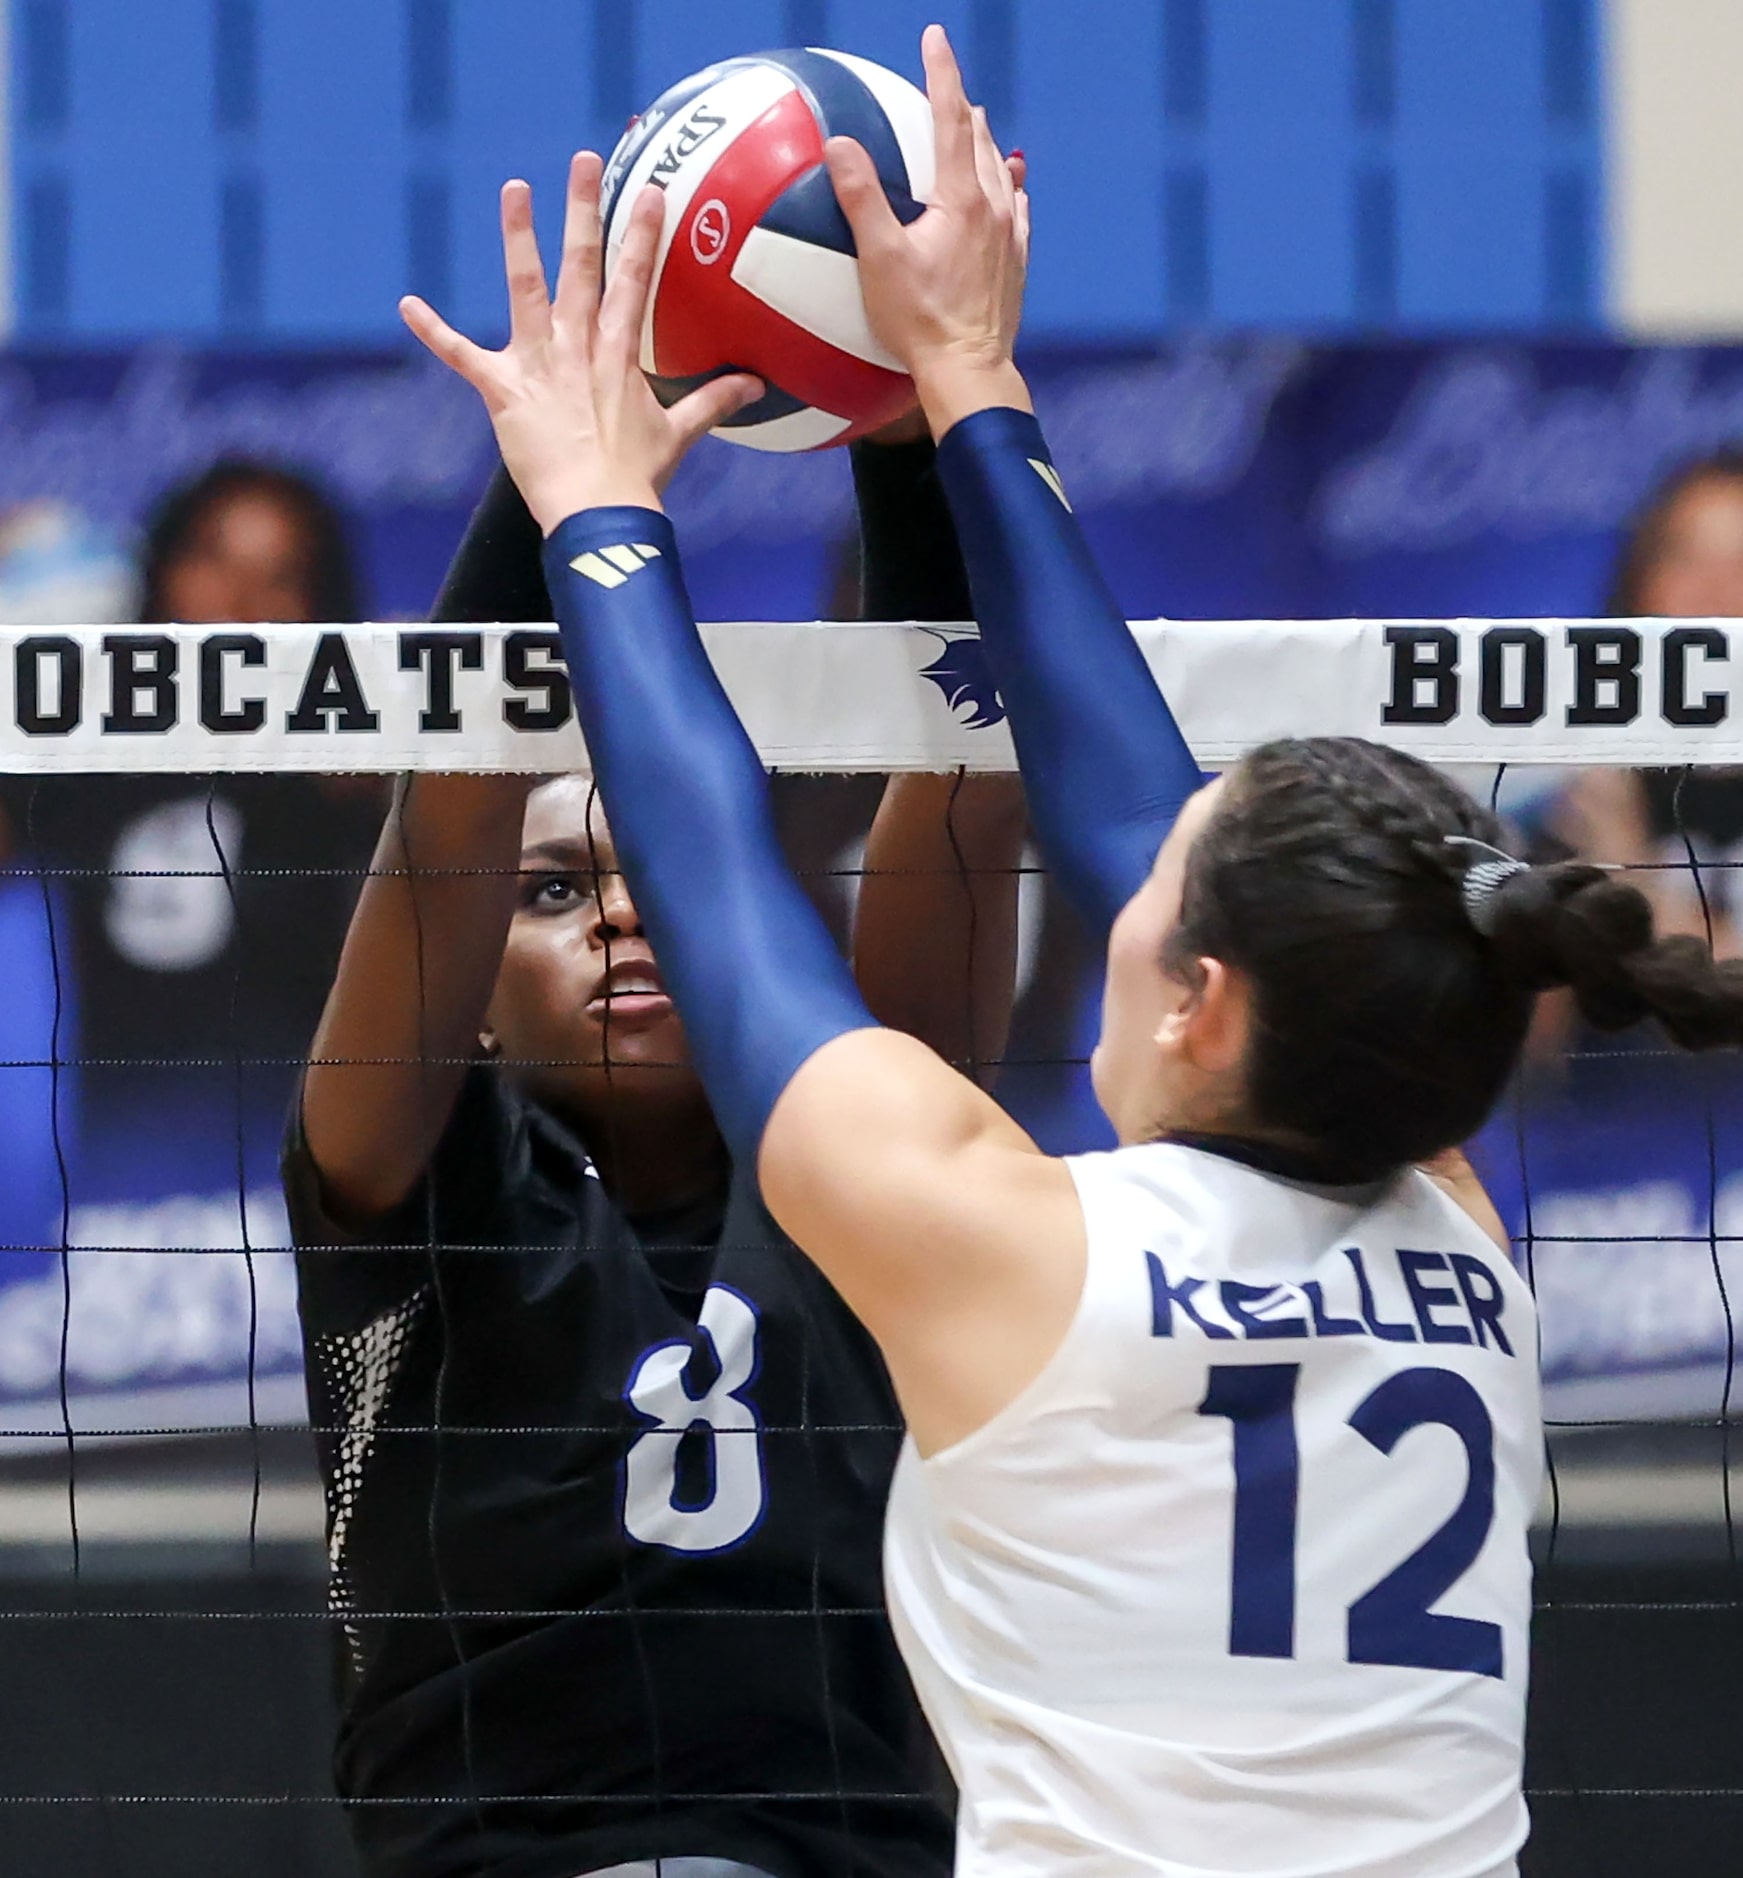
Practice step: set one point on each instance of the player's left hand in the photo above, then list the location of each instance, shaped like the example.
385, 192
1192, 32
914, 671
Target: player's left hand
944, 293
577, 422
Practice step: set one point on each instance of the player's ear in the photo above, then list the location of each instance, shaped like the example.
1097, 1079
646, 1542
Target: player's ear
1216, 1020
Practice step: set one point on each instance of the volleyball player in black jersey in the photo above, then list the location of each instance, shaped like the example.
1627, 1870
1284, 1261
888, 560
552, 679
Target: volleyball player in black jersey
578, 1636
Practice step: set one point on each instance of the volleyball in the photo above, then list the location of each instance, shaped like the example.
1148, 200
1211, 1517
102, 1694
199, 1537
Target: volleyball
755, 269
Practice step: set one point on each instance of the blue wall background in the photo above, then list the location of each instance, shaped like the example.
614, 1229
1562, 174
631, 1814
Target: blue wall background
280, 171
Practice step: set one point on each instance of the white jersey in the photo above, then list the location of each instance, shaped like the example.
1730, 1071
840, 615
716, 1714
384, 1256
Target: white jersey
1239, 1583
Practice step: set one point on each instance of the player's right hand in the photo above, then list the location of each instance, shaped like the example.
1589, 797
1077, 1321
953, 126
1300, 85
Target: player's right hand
945, 293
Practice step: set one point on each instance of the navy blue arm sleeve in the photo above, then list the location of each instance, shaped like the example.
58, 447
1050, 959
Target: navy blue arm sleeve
754, 972
1105, 765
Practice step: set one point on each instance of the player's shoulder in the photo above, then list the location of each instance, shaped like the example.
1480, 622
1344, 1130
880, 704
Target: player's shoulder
1414, 1201
1205, 1179
1205, 1195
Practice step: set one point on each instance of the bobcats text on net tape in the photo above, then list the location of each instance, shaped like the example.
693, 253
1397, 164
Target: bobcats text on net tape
825, 698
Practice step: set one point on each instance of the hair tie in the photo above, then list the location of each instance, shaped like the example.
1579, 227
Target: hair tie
1483, 879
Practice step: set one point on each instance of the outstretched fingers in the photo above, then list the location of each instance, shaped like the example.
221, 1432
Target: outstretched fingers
952, 121
455, 350
529, 301
583, 261
624, 308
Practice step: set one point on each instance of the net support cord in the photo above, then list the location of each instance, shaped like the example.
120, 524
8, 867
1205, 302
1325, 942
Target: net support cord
855, 697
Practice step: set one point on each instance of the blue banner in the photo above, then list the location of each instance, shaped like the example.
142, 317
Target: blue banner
1223, 479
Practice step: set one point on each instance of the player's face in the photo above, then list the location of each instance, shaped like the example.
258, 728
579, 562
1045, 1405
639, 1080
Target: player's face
248, 558
1165, 1048
1696, 570
578, 979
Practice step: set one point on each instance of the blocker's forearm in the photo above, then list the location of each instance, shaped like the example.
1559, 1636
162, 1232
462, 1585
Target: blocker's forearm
498, 572
1105, 765
426, 937
421, 956
935, 928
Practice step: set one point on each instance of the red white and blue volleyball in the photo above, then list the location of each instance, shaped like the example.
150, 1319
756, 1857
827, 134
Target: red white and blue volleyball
756, 269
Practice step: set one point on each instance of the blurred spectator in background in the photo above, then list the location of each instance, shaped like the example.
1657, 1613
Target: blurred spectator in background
1681, 559
171, 959
247, 542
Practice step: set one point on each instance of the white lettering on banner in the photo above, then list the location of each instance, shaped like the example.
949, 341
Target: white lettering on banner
173, 1306
411, 434
1625, 1281
1184, 426
383, 435
1484, 447
824, 697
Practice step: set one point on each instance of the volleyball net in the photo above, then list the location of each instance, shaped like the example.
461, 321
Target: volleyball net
186, 815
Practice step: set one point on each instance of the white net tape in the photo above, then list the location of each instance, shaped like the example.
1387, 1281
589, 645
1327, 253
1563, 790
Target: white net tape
840, 698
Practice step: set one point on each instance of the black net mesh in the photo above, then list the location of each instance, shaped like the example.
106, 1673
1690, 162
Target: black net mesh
181, 1602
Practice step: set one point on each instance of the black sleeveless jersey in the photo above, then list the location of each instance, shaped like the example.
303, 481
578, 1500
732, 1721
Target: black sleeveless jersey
605, 1508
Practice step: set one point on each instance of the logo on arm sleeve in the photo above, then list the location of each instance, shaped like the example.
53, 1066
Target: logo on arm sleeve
611, 567
1050, 476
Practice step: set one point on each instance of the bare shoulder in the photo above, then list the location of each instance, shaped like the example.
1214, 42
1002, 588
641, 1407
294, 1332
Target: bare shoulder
958, 1243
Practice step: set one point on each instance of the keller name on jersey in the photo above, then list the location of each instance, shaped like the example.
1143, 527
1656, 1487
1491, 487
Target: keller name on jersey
1398, 1296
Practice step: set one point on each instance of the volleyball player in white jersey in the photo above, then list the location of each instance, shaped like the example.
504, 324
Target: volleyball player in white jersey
1208, 1550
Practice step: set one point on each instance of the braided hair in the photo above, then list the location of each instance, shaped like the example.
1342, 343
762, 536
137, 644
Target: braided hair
1385, 1024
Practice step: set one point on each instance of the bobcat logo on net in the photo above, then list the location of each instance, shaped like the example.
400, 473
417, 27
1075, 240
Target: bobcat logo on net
710, 232
962, 674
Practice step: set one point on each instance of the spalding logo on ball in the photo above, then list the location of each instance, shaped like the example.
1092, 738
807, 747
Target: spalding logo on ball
755, 270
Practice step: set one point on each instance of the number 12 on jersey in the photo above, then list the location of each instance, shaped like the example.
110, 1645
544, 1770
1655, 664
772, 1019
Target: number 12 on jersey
1392, 1623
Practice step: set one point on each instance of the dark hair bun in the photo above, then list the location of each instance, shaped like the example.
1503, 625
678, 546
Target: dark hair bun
1577, 925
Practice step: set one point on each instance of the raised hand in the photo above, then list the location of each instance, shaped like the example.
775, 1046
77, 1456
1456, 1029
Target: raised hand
578, 424
945, 293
